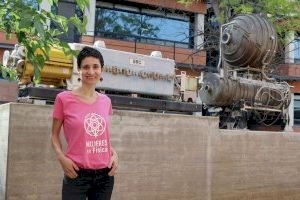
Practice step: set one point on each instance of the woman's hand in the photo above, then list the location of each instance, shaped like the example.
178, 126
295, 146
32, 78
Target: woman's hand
113, 164
68, 166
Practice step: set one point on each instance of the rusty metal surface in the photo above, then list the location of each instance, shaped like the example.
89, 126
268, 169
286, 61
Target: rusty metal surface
220, 91
248, 40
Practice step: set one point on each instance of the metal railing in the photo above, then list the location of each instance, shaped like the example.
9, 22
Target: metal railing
146, 40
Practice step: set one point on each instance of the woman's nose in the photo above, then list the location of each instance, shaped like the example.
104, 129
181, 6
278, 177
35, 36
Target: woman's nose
90, 71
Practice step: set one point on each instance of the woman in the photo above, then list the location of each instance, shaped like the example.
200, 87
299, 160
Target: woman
89, 162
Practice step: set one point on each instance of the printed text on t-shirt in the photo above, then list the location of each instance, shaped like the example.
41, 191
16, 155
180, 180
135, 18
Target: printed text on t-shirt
96, 146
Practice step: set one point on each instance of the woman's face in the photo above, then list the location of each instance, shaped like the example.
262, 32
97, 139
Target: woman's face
90, 71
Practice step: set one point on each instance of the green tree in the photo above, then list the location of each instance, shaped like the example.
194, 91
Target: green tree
285, 14
31, 26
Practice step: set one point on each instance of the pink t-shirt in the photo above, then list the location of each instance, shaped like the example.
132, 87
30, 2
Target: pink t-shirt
86, 129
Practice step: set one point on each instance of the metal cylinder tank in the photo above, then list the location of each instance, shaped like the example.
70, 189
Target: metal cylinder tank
220, 91
248, 40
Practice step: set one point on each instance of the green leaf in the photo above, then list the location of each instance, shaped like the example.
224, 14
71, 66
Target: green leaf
4, 73
39, 27
78, 24
50, 2
83, 25
82, 4
55, 32
66, 48
38, 63
63, 22
55, 2
25, 22
21, 36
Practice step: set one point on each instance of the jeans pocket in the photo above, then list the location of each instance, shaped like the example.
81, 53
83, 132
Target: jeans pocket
80, 180
68, 180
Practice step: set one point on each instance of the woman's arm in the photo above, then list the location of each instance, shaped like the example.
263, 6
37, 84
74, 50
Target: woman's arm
113, 164
67, 164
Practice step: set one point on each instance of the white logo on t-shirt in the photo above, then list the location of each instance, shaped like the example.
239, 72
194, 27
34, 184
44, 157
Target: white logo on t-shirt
94, 124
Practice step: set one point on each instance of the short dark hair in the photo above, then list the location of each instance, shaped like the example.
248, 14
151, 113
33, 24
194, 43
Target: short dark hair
89, 52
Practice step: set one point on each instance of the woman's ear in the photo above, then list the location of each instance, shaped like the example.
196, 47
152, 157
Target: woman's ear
79, 73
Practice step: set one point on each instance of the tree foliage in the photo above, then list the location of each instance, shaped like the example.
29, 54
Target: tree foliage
31, 26
285, 14
8, 73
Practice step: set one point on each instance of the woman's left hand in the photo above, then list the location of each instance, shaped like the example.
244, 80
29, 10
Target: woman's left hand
113, 164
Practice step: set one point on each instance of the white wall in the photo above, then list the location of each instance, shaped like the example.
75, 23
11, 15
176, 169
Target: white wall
199, 30
4, 131
90, 14
289, 50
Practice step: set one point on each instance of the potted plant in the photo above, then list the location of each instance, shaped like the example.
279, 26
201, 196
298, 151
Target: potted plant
8, 84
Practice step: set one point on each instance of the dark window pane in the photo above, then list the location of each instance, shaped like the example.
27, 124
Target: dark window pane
297, 112
118, 23
78, 12
164, 28
297, 104
140, 27
297, 50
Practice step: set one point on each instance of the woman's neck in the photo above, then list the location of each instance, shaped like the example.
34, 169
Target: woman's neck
86, 90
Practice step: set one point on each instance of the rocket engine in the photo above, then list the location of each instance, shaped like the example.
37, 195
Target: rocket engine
242, 88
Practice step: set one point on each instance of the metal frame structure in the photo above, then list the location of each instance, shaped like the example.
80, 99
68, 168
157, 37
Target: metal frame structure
118, 101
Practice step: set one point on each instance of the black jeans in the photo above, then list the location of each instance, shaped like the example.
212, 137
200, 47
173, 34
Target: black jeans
89, 184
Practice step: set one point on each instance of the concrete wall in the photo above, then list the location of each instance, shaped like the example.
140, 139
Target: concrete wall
4, 132
247, 165
161, 156
33, 172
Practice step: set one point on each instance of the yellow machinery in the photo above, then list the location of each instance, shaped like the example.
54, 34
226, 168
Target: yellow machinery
56, 70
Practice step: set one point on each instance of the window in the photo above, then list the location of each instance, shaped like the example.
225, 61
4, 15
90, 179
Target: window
116, 24
142, 27
297, 110
164, 28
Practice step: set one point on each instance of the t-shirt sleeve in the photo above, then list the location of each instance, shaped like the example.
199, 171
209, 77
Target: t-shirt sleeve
58, 109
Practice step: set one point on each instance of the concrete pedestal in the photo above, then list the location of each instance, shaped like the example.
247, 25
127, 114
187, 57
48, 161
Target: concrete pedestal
162, 156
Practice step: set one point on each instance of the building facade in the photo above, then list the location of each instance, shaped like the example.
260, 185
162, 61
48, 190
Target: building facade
142, 26
290, 71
